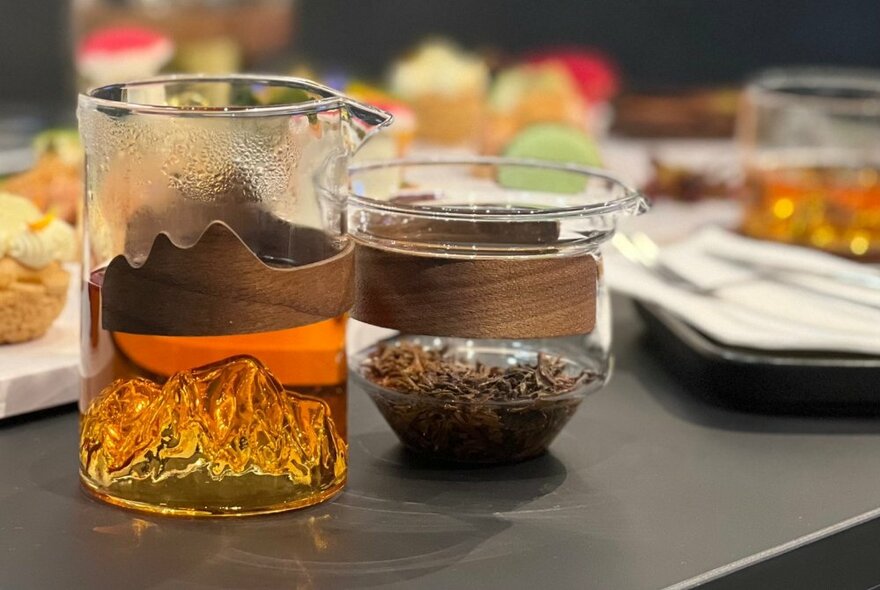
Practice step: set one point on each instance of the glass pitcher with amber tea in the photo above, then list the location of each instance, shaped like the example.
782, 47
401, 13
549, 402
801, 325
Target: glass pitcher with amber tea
217, 280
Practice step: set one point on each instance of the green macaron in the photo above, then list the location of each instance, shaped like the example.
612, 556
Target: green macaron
553, 142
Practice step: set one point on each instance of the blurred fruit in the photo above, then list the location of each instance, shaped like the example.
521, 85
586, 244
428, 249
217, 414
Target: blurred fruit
524, 95
119, 54
594, 73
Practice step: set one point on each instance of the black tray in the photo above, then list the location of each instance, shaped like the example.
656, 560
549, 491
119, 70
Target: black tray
760, 380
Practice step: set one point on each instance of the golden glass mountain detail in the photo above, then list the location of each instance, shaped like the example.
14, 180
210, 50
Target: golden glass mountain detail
228, 429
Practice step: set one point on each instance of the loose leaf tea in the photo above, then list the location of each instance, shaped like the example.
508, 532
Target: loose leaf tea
474, 413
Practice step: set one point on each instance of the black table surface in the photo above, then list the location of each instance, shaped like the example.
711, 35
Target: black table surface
649, 486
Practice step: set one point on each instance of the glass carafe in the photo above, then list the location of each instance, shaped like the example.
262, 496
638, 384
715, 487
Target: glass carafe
216, 287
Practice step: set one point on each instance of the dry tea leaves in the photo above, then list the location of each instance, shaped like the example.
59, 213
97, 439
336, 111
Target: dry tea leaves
472, 412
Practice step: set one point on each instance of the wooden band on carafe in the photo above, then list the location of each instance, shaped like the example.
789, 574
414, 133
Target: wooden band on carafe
219, 287
476, 298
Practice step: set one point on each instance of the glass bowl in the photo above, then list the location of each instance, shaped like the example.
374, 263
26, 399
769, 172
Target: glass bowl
469, 420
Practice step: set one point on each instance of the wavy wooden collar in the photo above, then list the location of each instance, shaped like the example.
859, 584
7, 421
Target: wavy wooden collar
219, 287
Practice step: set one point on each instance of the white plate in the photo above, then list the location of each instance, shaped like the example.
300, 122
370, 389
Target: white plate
44, 373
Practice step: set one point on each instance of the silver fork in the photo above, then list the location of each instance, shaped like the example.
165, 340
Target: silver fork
642, 250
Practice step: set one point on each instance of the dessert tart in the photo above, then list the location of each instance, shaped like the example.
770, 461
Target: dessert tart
446, 88
55, 181
33, 283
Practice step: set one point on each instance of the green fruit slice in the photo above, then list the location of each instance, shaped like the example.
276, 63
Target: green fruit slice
553, 142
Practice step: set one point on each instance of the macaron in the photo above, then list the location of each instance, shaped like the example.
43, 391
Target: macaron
553, 142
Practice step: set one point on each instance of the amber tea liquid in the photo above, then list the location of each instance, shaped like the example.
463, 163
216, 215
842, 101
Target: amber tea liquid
184, 423
825, 205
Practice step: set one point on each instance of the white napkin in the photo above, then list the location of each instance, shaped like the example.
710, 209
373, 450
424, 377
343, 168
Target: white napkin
749, 306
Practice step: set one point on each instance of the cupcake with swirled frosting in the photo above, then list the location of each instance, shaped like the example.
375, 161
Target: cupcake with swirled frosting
446, 88
33, 282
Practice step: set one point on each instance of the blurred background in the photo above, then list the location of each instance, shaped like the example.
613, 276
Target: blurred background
562, 80
657, 43
753, 125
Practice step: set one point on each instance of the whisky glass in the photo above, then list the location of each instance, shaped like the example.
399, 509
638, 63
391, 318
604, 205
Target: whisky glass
810, 142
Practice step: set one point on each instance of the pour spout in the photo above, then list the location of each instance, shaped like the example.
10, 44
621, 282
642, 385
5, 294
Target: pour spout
368, 115
362, 121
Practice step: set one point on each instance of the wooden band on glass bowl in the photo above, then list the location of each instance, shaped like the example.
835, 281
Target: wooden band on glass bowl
512, 298
219, 287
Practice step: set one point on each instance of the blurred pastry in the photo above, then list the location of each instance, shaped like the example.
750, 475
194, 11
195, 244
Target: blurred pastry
595, 76
447, 90
525, 95
120, 54
33, 284
55, 183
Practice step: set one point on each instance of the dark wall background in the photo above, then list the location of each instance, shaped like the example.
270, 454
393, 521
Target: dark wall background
657, 42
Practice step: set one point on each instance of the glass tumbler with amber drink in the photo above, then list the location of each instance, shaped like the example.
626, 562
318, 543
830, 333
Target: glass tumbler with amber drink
811, 146
216, 286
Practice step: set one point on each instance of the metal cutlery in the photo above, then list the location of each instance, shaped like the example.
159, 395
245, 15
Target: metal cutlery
640, 249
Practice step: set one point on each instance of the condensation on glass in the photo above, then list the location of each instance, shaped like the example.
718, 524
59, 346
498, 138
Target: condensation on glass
215, 288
